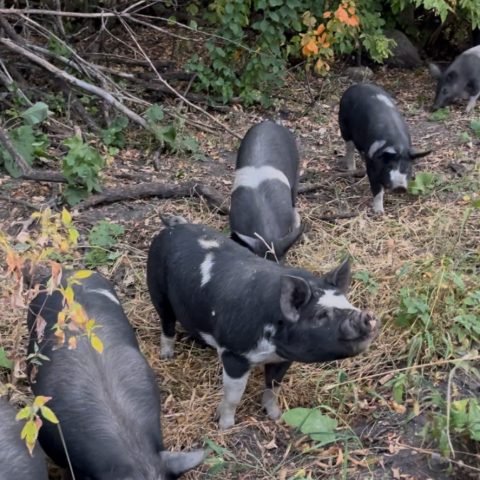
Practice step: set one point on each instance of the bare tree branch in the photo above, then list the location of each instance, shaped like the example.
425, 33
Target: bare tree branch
107, 96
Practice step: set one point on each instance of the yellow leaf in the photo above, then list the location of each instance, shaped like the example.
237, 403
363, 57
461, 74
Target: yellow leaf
68, 295
29, 432
97, 344
24, 413
89, 326
49, 415
310, 48
40, 400
81, 274
66, 217
73, 235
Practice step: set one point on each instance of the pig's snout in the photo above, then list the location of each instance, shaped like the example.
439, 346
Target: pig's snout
359, 326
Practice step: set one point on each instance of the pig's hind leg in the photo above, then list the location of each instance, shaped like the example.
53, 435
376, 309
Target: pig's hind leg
473, 99
167, 317
274, 373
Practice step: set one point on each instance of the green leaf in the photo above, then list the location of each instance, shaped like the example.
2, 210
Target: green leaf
48, 414
475, 126
154, 114
35, 114
5, 362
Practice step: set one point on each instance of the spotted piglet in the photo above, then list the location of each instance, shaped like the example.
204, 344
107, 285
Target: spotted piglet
251, 310
262, 214
371, 123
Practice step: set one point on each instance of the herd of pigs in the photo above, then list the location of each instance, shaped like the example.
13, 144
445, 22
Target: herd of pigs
234, 294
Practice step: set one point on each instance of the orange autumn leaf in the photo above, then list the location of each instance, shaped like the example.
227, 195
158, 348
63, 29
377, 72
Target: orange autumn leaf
351, 10
342, 14
327, 14
320, 29
353, 21
310, 48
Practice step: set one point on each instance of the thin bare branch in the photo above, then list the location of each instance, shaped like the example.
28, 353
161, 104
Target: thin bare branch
100, 92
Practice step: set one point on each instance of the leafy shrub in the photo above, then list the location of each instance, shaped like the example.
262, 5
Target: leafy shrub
102, 238
81, 167
113, 135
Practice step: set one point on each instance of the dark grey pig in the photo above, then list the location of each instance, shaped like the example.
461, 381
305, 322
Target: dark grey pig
15, 460
460, 80
251, 310
108, 403
371, 123
262, 213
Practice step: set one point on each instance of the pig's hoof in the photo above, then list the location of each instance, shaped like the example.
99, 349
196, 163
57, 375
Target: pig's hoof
225, 418
166, 346
346, 165
378, 210
269, 403
166, 354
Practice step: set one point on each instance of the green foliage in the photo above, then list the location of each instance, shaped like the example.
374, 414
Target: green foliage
113, 135
310, 421
423, 184
81, 167
440, 115
5, 362
475, 126
27, 139
441, 306
102, 238
367, 279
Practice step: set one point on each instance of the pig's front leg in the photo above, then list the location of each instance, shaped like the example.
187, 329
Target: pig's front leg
472, 101
274, 373
236, 370
348, 161
377, 191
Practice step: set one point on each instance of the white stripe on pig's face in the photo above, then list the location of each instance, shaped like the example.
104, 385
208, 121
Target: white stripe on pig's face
252, 177
398, 179
335, 299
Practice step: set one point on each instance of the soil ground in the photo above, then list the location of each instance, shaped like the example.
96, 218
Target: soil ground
382, 439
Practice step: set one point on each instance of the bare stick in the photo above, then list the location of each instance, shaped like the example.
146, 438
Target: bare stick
107, 96
160, 190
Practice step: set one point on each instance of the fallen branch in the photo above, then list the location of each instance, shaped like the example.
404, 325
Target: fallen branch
339, 216
160, 190
100, 92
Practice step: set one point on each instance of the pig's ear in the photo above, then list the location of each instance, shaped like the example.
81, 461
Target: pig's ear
177, 463
250, 242
435, 72
414, 154
295, 292
340, 277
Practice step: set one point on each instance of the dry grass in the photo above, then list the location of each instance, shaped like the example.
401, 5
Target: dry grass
412, 230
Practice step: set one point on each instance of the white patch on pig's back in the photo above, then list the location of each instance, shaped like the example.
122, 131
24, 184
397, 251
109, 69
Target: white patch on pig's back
375, 147
384, 99
105, 293
398, 179
206, 269
207, 243
473, 51
252, 177
332, 299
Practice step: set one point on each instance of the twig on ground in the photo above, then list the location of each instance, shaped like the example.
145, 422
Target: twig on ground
161, 190
18, 201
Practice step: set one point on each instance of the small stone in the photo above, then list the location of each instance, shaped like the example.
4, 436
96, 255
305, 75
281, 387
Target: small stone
359, 74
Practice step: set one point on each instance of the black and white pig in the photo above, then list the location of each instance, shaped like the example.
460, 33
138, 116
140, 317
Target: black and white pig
15, 460
108, 403
460, 80
263, 216
251, 310
371, 123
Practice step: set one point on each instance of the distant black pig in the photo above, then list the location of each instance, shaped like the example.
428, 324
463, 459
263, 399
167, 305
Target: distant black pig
15, 460
262, 213
460, 80
371, 123
253, 311
108, 403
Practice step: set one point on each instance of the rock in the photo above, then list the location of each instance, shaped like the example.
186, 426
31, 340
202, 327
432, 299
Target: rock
404, 54
359, 74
